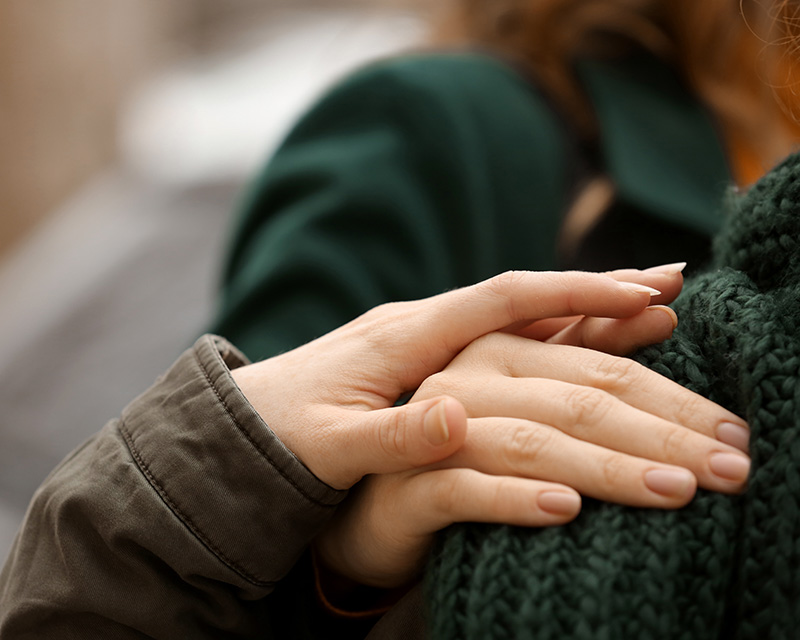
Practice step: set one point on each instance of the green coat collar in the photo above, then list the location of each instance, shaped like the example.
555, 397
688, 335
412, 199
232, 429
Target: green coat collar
658, 143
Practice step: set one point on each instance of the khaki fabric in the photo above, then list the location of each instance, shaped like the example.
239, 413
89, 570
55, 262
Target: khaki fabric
175, 521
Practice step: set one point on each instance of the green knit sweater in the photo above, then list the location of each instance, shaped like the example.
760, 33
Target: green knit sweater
723, 567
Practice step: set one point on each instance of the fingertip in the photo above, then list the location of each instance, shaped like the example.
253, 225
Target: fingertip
562, 503
445, 422
672, 269
676, 484
665, 311
639, 288
667, 279
456, 418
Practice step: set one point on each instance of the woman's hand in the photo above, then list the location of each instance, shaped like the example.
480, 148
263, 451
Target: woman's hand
331, 400
542, 414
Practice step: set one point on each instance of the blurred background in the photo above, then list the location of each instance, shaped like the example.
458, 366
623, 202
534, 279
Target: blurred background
128, 129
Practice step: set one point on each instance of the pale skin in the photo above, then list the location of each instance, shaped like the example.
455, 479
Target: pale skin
522, 406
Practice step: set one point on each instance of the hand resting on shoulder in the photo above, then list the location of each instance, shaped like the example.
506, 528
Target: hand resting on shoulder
510, 421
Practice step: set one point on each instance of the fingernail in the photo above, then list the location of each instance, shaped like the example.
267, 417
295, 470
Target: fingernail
730, 466
435, 426
640, 288
559, 503
667, 269
673, 483
672, 315
735, 435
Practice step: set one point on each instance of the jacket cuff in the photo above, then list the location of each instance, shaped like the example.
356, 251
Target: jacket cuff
219, 468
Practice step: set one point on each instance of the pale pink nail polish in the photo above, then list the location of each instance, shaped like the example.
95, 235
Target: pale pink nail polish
734, 435
666, 310
559, 503
640, 288
729, 466
672, 483
667, 269
435, 424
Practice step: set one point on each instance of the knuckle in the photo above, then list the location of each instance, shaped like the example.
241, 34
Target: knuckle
502, 494
504, 286
447, 495
377, 314
614, 471
387, 317
587, 406
616, 374
443, 383
687, 409
392, 436
676, 444
504, 283
526, 445
434, 385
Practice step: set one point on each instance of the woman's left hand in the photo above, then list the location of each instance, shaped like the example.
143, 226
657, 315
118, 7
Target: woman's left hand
543, 413
331, 400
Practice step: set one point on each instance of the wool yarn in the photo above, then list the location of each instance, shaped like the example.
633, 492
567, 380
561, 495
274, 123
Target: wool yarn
724, 566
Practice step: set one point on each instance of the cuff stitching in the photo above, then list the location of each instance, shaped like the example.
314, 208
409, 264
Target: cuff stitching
182, 516
256, 445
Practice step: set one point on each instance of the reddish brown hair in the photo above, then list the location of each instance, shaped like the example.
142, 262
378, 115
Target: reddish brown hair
737, 55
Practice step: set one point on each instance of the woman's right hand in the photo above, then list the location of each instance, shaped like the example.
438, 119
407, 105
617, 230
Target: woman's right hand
547, 422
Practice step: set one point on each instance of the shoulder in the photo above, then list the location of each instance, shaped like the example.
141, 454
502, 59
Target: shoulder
442, 89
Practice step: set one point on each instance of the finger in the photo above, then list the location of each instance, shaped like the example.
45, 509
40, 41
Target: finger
521, 448
620, 336
456, 318
667, 278
625, 379
541, 329
442, 497
400, 438
598, 417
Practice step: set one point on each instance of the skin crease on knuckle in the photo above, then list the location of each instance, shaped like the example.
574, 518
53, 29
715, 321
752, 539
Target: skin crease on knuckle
615, 375
506, 286
677, 444
695, 412
448, 494
586, 407
526, 444
616, 471
392, 436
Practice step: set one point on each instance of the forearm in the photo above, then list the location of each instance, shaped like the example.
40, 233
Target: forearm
176, 520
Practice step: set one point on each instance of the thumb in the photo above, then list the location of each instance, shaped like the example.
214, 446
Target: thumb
401, 438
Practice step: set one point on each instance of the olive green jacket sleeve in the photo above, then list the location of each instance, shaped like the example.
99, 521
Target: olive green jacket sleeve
413, 176
177, 520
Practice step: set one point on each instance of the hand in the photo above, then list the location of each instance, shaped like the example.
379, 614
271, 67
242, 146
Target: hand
331, 401
539, 414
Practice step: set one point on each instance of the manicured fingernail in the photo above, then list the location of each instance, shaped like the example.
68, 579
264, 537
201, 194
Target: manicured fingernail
667, 269
559, 503
435, 426
666, 310
673, 483
729, 466
640, 288
735, 435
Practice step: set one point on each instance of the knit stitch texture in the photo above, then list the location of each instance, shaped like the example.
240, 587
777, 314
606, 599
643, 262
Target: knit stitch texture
724, 566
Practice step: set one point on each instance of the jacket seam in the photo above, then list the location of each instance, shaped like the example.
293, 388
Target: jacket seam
182, 516
256, 445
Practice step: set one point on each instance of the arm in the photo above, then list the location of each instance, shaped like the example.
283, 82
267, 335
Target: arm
185, 515
176, 520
